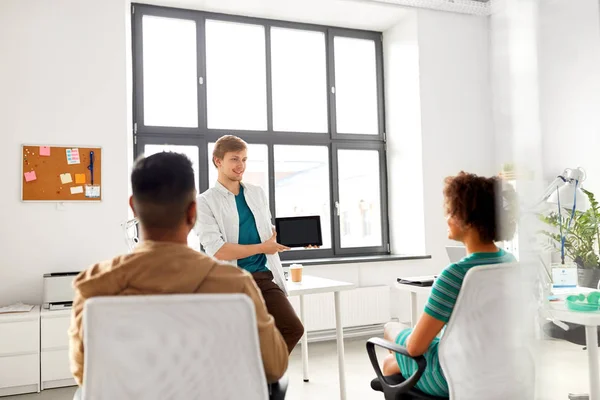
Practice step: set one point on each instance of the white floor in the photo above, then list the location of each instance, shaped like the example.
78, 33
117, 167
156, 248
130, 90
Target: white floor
562, 369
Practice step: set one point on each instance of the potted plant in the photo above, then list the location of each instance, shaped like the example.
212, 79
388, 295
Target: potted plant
508, 172
582, 239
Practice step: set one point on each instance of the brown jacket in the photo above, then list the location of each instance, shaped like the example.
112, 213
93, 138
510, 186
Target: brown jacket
165, 268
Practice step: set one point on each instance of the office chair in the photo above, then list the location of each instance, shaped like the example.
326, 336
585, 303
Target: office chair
484, 351
174, 347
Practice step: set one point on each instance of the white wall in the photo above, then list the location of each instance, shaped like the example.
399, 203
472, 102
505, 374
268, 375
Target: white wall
366, 15
569, 66
404, 138
63, 82
439, 118
456, 114
516, 105
438, 122
501, 84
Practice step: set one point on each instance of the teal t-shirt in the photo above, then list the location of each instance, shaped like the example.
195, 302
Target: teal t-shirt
446, 287
249, 235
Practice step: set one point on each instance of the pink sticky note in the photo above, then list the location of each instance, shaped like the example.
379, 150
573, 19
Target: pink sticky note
45, 151
30, 176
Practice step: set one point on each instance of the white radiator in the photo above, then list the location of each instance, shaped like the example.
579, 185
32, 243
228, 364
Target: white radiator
360, 307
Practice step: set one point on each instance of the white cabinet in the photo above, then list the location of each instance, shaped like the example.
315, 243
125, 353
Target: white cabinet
55, 370
19, 371
20, 352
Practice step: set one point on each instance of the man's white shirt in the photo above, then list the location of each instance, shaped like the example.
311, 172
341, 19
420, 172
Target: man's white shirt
218, 222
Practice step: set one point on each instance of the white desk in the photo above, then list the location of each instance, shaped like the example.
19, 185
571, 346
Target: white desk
314, 285
591, 320
414, 290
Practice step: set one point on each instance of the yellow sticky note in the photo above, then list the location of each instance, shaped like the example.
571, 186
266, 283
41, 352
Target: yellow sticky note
66, 178
79, 178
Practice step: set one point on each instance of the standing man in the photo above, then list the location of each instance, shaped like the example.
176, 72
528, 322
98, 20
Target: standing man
234, 225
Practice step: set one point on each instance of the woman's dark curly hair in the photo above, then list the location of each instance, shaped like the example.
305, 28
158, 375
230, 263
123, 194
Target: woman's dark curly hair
483, 204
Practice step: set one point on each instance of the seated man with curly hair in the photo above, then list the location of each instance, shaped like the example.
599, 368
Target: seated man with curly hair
478, 214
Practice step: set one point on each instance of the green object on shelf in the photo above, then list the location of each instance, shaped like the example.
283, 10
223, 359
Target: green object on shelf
594, 298
584, 303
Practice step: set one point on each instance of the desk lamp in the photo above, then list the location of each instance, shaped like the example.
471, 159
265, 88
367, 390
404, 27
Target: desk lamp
566, 191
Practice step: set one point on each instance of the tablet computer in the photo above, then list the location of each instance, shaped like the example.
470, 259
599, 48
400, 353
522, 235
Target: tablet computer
299, 231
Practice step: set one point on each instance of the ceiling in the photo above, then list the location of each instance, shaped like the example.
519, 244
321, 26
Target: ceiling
341, 13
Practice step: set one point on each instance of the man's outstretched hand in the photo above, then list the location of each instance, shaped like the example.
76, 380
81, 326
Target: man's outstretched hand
272, 247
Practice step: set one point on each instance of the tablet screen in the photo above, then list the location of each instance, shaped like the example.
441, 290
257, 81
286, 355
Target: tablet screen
299, 231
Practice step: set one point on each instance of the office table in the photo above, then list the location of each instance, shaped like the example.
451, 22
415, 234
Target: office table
591, 320
414, 290
313, 285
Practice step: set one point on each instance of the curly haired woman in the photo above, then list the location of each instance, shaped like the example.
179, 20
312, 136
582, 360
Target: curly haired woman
478, 214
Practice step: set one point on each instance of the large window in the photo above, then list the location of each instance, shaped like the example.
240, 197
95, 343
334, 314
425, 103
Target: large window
308, 100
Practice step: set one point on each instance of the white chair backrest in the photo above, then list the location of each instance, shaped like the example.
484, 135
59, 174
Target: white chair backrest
172, 347
485, 351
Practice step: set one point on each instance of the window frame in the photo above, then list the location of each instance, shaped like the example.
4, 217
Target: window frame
172, 140
353, 34
383, 249
201, 135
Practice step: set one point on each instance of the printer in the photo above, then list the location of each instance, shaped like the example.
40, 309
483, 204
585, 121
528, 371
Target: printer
58, 290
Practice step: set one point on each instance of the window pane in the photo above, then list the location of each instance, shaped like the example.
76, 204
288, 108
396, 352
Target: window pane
170, 75
257, 166
355, 86
192, 153
302, 184
299, 80
236, 77
360, 200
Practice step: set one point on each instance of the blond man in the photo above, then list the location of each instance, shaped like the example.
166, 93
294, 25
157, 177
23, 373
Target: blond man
234, 225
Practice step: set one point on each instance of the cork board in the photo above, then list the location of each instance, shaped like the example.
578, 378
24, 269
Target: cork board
60, 173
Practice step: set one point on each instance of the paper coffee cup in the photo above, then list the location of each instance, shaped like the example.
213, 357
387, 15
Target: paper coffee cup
296, 272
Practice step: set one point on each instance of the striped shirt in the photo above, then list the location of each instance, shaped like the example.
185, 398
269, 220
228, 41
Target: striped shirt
440, 306
446, 287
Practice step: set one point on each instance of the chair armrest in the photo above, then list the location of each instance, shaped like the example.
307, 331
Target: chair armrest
388, 387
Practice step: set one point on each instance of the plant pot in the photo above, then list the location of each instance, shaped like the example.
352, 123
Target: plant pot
588, 277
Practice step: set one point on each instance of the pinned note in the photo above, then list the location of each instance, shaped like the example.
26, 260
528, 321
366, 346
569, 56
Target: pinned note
30, 176
92, 191
73, 156
77, 190
79, 178
45, 151
65, 178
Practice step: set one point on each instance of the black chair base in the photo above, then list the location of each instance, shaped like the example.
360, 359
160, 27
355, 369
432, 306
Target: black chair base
412, 394
278, 389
